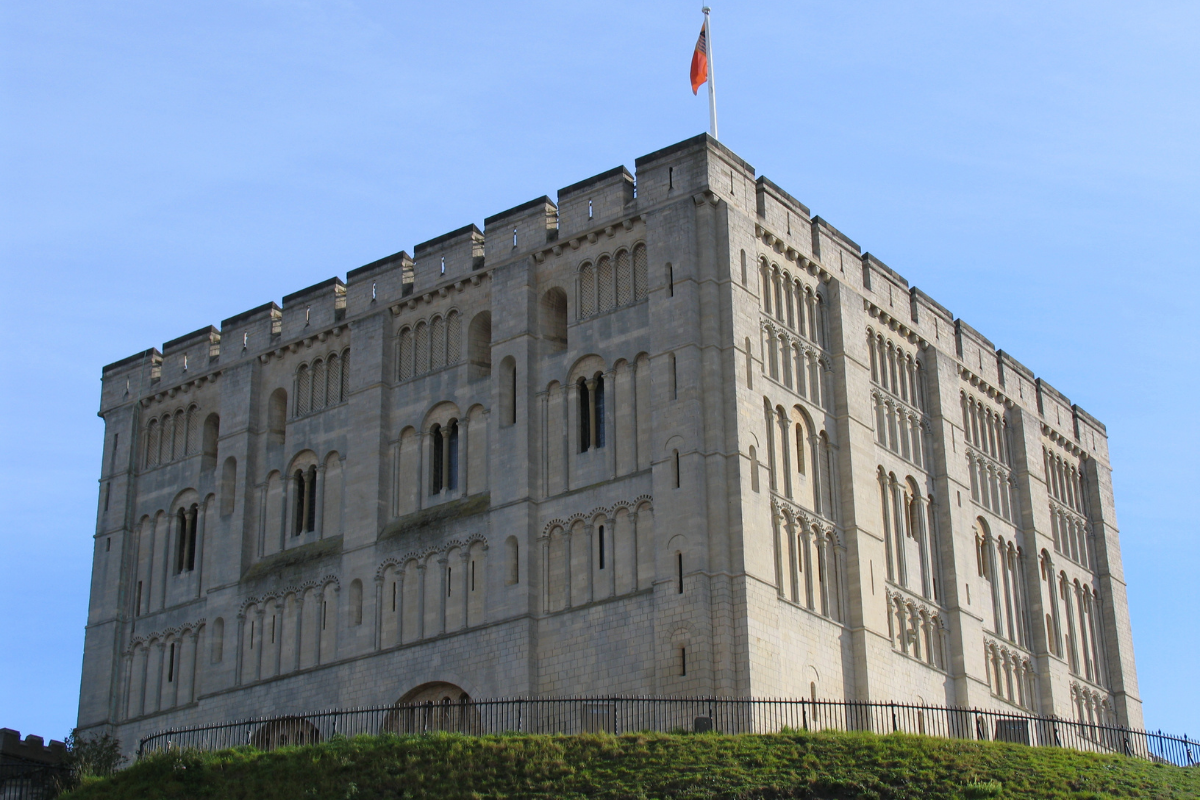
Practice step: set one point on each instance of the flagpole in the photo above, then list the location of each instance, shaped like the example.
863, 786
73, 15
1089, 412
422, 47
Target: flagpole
712, 85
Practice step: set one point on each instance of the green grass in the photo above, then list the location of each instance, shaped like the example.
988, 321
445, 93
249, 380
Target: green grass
652, 765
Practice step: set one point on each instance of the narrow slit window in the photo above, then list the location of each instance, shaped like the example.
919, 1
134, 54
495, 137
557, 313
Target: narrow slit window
679, 570
676, 453
171, 664
600, 540
683, 661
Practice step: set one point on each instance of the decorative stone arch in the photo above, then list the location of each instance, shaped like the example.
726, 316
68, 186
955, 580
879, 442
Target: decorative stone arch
586, 366
436, 705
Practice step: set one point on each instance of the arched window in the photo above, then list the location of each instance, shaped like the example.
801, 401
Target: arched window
218, 641
305, 486
192, 440
303, 391
405, 345
624, 278
799, 430
276, 416
753, 468
185, 551
212, 433
587, 290
479, 346
421, 349
591, 412
554, 319
334, 378
345, 393
453, 337
640, 275
437, 343
438, 446
452, 457
318, 385
444, 442
152, 434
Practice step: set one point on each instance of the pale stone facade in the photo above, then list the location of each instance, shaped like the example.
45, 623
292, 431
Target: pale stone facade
678, 440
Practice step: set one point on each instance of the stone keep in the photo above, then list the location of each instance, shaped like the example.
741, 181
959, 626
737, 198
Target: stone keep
683, 439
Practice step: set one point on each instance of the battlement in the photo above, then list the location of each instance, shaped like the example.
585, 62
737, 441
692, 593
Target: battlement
520, 229
33, 750
444, 258
683, 170
595, 200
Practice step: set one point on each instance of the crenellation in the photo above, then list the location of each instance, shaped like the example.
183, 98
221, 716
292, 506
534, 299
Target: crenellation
1055, 408
318, 306
521, 229
784, 216
379, 283
560, 467
448, 257
594, 201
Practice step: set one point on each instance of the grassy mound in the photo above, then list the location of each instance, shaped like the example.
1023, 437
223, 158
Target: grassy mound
800, 765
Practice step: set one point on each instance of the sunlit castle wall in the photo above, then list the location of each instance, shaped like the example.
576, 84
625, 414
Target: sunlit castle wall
671, 436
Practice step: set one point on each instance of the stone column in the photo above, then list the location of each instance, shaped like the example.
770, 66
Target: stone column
261, 640
465, 557
464, 451
442, 587
285, 516
590, 383
299, 630
568, 536
193, 659
610, 422
400, 570
378, 644
420, 600
776, 533
446, 463
201, 526
241, 646
319, 522
422, 487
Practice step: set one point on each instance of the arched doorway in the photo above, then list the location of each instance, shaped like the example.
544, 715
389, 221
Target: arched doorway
434, 706
285, 731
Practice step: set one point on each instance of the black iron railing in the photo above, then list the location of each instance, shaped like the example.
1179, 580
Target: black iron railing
31, 781
694, 714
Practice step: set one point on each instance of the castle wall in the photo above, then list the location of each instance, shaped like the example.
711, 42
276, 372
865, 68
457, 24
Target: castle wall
692, 441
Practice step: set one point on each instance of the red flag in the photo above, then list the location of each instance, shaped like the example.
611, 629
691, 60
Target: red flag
700, 60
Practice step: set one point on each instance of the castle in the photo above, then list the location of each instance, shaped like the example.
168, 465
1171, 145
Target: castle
671, 436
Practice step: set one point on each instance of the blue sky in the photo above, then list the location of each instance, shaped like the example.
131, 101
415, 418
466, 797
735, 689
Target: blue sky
1032, 166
